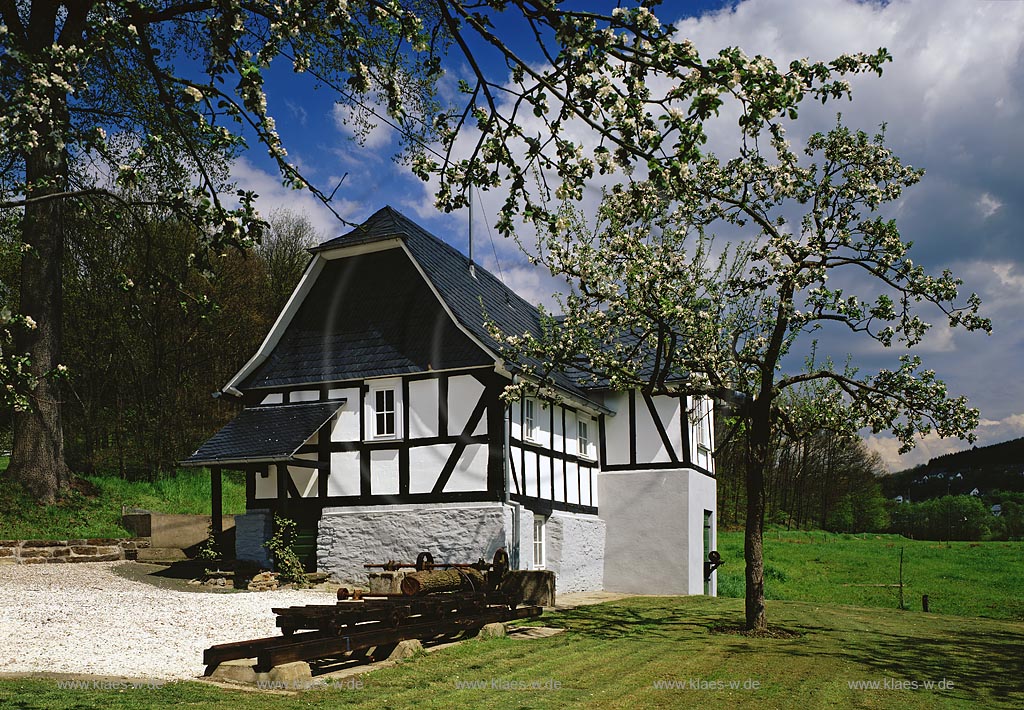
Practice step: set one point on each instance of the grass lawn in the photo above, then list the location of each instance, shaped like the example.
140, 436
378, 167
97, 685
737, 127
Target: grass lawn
615, 655
963, 578
96, 510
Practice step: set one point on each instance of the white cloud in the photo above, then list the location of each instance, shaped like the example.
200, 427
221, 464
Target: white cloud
987, 205
359, 125
273, 195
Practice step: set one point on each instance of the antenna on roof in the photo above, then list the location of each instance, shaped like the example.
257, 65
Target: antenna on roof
472, 266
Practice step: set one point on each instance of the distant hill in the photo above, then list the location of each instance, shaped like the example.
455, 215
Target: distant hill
988, 468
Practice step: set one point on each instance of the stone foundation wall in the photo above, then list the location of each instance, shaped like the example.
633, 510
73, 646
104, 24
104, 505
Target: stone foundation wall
26, 552
575, 551
351, 537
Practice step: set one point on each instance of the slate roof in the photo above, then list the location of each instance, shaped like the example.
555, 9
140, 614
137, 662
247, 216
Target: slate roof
369, 315
265, 434
468, 296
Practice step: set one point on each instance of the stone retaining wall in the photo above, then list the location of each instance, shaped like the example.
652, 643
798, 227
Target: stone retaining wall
26, 552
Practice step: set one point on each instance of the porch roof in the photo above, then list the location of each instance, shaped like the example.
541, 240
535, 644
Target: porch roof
265, 434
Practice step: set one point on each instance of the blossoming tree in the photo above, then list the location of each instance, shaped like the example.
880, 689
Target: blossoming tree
121, 103
656, 303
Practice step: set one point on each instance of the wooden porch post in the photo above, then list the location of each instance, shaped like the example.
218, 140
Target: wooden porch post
216, 502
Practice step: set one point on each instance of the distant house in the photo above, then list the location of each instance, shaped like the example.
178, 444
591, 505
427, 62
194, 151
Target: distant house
997, 510
975, 492
898, 499
958, 477
373, 417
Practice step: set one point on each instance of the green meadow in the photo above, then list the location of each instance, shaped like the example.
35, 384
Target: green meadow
983, 579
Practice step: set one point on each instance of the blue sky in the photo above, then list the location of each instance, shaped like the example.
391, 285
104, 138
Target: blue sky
953, 101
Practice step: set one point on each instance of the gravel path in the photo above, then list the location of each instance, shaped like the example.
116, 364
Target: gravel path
86, 619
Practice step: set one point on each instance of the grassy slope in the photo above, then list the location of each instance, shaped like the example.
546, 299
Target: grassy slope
962, 578
613, 653
98, 512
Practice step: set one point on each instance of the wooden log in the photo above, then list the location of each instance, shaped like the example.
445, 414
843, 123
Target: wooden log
443, 580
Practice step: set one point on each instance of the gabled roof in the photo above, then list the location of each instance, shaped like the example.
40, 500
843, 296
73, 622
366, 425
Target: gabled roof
468, 294
265, 434
471, 295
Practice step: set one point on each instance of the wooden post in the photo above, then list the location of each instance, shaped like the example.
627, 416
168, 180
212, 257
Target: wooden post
924, 602
216, 502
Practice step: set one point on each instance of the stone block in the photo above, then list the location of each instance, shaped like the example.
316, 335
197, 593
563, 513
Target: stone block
8, 561
405, 649
44, 543
386, 582
94, 558
101, 541
6, 552
84, 549
61, 552
30, 552
492, 631
37, 560
108, 550
532, 587
72, 543
10, 543
51, 560
295, 675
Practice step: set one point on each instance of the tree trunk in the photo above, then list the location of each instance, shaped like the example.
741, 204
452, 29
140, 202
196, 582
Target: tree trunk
37, 459
753, 554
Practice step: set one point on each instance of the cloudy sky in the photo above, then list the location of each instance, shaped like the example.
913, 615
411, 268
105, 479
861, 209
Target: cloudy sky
953, 102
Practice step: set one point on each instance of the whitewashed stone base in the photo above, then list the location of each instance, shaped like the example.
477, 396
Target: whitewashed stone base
575, 551
655, 530
351, 537
251, 531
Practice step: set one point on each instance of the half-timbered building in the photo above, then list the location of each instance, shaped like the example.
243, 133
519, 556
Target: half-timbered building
372, 416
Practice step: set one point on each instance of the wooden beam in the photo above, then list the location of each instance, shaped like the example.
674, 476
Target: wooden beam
216, 501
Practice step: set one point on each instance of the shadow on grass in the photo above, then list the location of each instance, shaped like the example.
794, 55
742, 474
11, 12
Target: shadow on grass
979, 661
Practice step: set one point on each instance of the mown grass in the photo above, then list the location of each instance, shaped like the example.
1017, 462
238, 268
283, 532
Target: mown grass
93, 508
613, 655
963, 578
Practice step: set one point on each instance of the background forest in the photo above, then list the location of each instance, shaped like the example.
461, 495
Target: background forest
149, 336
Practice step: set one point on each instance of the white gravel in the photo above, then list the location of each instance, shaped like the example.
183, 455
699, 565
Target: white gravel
84, 618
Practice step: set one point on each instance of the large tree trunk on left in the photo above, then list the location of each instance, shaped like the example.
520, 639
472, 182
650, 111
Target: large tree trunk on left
37, 460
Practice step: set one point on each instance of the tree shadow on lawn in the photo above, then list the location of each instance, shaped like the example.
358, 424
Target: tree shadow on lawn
981, 657
653, 617
978, 661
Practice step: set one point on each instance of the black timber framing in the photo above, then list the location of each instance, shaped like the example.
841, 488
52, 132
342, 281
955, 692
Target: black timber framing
660, 427
544, 506
488, 408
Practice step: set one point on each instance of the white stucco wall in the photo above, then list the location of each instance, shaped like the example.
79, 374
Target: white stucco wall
655, 528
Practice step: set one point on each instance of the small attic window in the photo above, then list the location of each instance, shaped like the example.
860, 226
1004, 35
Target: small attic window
383, 410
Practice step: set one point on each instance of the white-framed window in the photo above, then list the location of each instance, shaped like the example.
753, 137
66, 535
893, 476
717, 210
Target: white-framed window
383, 410
702, 412
539, 559
530, 419
584, 431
